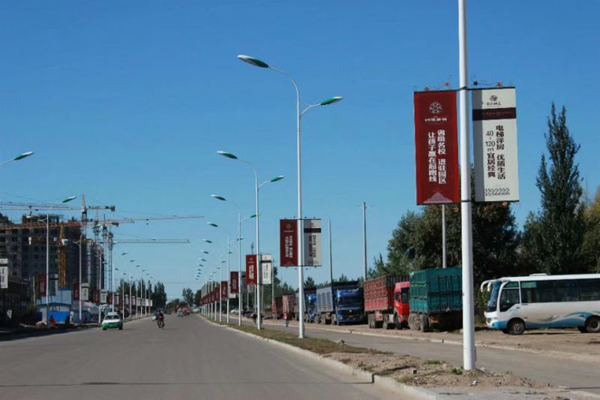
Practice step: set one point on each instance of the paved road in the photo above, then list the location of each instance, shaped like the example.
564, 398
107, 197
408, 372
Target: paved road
579, 375
190, 359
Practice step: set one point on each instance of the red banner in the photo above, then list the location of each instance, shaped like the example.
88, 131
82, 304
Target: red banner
97, 296
41, 285
234, 280
109, 297
75, 292
288, 242
224, 289
436, 144
251, 270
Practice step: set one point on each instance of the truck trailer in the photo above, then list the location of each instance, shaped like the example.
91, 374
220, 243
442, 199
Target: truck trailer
340, 303
277, 307
308, 292
380, 307
435, 299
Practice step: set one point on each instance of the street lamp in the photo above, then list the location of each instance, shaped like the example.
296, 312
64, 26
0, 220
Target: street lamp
239, 240
299, 113
257, 187
66, 200
207, 241
18, 157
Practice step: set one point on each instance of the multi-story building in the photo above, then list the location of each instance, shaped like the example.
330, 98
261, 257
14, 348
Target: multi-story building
24, 245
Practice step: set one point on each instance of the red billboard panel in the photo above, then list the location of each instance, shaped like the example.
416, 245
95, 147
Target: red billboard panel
436, 143
251, 270
224, 289
75, 291
97, 296
41, 285
288, 245
234, 280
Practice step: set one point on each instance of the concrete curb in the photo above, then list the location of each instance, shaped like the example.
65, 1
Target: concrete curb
408, 392
553, 354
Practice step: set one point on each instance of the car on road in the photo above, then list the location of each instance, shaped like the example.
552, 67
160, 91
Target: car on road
112, 320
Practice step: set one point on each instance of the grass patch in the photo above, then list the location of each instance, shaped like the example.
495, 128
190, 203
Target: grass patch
319, 346
432, 362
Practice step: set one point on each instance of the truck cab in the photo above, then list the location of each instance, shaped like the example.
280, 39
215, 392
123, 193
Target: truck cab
402, 304
349, 306
311, 307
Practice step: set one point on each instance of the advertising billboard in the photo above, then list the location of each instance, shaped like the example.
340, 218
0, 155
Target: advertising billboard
495, 145
436, 147
234, 288
312, 243
288, 242
251, 270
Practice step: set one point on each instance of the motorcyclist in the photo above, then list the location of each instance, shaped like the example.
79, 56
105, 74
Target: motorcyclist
160, 319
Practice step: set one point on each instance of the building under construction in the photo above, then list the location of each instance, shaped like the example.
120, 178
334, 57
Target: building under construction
24, 246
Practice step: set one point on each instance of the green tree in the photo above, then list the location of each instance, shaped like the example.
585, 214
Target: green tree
159, 296
591, 242
309, 283
417, 241
188, 296
553, 238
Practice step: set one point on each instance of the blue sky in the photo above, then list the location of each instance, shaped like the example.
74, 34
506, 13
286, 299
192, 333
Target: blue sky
128, 102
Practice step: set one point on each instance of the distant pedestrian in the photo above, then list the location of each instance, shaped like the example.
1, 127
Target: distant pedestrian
254, 318
286, 318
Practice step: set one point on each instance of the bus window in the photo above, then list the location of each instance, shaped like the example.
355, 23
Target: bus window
508, 298
491, 306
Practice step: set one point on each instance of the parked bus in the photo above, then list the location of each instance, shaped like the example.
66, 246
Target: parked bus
544, 301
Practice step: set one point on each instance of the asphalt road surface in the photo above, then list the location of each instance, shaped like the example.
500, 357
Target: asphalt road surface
577, 375
189, 359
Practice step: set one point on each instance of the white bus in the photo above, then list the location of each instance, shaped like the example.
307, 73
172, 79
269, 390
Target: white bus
544, 301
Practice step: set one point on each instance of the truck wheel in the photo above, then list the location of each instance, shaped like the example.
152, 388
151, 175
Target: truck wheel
334, 320
424, 322
397, 323
592, 325
516, 327
370, 321
413, 322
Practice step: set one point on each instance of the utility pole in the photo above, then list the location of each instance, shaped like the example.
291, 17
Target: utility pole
465, 197
364, 207
330, 256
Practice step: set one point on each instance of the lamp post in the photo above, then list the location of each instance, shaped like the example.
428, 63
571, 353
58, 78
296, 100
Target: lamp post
18, 157
257, 187
66, 200
299, 113
239, 240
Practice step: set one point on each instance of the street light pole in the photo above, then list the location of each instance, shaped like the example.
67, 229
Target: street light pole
469, 356
261, 64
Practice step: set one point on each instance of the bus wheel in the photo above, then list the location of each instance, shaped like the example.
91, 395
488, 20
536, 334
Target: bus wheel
592, 325
516, 327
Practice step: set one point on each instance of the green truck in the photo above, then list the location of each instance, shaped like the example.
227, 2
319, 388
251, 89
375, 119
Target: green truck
436, 299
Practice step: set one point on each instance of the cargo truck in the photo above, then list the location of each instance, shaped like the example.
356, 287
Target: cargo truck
277, 307
307, 293
380, 307
289, 304
435, 299
311, 307
340, 303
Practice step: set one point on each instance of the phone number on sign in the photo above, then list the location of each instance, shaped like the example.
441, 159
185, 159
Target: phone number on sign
497, 192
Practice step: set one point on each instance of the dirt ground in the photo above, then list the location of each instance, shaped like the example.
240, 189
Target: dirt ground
561, 343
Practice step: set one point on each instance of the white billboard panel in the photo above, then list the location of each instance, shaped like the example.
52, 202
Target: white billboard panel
495, 145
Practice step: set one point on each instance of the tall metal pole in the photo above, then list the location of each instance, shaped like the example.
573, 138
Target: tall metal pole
80, 274
123, 295
228, 277
365, 239
444, 257
220, 288
130, 298
330, 256
258, 260
240, 297
465, 177
47, 265
300, 221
